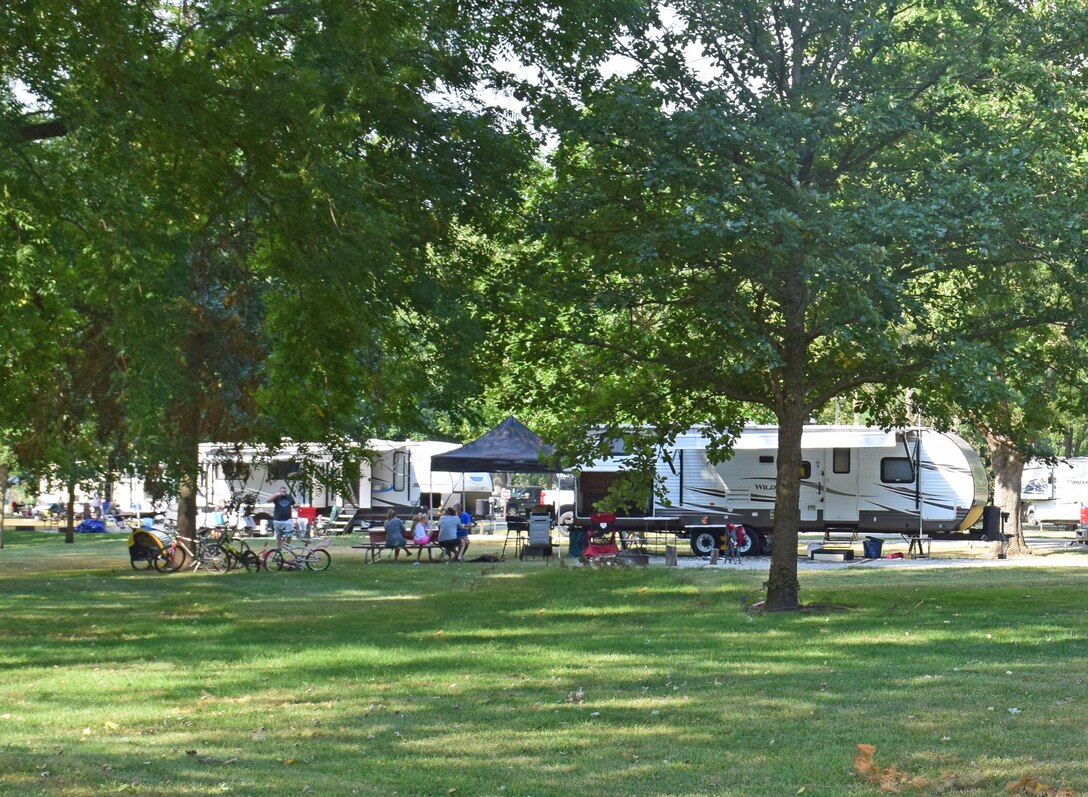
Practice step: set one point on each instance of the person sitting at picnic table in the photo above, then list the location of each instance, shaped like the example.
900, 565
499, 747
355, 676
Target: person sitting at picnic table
394, 534
421, 535
448, 526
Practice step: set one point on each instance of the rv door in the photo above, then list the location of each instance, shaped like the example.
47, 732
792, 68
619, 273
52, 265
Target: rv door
840, 479
811, 487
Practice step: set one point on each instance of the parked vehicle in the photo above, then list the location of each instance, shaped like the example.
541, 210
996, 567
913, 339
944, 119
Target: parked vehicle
521, 500
397, 476
859, 479
1055, 493
561, 499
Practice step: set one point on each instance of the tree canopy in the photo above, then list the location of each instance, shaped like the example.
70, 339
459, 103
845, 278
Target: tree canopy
772, 204
267, 209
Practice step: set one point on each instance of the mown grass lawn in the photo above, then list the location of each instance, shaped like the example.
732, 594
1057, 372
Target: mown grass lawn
528, 680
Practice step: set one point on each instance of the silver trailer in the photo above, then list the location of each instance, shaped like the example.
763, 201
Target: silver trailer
1055, 493
853, 478
397, 475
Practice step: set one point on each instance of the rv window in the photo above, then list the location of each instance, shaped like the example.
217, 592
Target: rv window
806, 470
235, 471
896, 470
765, 459
840, 460
282, 470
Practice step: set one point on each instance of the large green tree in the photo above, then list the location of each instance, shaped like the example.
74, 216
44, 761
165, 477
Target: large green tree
771, 204
1019, 394
270, 199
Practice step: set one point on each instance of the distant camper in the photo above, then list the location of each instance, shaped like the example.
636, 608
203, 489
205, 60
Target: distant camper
1055, 494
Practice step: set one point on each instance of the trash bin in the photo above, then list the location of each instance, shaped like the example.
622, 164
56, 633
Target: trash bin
483, 508
872, 546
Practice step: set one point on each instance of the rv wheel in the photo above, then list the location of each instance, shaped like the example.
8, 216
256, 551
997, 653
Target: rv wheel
566, 522
703, 542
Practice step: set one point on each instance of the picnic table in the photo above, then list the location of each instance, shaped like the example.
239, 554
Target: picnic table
374, 545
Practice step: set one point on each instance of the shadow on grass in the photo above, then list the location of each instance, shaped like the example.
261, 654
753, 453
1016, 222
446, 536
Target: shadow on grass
546, 680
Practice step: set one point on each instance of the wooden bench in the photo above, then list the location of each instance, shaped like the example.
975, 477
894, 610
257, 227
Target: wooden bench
375, 544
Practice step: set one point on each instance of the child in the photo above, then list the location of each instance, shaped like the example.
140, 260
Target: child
420, 536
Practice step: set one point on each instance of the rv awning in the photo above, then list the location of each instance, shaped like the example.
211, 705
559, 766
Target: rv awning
819, 437
508, 448
381, 446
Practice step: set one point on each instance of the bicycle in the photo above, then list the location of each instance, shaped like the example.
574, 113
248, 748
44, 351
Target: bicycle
242, 556
289, 557
179, 555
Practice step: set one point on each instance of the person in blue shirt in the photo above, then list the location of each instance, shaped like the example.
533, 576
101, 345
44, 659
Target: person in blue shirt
282, 520
464, 521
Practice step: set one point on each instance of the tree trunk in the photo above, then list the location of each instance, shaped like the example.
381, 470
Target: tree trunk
188, 491
783, 587
4, 491
69, 523
1008, 466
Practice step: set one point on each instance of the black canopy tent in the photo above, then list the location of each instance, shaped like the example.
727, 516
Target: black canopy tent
508, 448
511, 447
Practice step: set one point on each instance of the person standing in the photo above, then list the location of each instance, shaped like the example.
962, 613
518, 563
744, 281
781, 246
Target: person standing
464, 523
282, 522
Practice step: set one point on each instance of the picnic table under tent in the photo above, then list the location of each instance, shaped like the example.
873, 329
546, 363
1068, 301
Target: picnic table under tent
511, 447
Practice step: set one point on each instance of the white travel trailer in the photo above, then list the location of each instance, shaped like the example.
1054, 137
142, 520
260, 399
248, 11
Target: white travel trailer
126, 494
1055, 494
401, 478
853, 478
397, 476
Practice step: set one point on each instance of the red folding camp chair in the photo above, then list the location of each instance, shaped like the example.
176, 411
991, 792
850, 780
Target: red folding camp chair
602, 546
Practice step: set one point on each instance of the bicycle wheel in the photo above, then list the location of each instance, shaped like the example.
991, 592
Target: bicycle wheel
214, 559
250, 561
170, 561
318, 560
275, 560
234, 559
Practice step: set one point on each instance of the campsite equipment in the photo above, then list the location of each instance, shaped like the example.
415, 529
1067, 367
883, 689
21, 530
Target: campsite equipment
149, 548
602, 542
540, 535
872, 546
